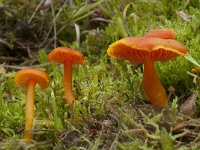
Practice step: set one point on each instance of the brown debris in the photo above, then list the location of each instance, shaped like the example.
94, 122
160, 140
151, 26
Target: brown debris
195, 124
188, 107
171, 91
188, 130
6, 59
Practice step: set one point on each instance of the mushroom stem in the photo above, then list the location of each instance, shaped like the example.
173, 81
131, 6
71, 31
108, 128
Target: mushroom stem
67, 83
29, 116
152, 86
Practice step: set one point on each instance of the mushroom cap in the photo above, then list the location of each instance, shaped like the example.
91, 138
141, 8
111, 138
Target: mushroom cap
64, 54
23, 76
164, 33
141, 49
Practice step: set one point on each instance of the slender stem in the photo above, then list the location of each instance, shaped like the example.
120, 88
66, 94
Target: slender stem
67, 83
152, 86
29, 116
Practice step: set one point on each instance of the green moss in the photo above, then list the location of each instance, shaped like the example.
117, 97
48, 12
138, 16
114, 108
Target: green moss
111, 104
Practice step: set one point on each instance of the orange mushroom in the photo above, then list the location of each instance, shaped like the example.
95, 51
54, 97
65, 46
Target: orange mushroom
68, 57
164, 33
27, 79
146, 51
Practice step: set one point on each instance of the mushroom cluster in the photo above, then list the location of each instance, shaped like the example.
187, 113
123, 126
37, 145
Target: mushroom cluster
156, 45
28, 78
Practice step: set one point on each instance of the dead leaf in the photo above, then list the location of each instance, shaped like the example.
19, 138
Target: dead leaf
184, 16
188, 107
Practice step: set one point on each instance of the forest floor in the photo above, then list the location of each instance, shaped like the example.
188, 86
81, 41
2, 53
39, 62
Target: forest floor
112, 111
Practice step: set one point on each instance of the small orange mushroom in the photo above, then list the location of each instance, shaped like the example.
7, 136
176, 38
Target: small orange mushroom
27, 79
68, 57
146, 51
164, 33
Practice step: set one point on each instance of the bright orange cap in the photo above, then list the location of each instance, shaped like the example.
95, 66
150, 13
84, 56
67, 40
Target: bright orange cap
63, 54
139, 50
22, 77
161, 33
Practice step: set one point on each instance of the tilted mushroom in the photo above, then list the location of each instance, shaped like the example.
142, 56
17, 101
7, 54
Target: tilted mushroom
147, 51
27, 79
164, 33
68, 57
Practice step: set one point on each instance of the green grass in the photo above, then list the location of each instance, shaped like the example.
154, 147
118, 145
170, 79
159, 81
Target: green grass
112, 111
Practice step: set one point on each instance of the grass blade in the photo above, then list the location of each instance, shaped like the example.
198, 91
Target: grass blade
192, 60
86, 8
